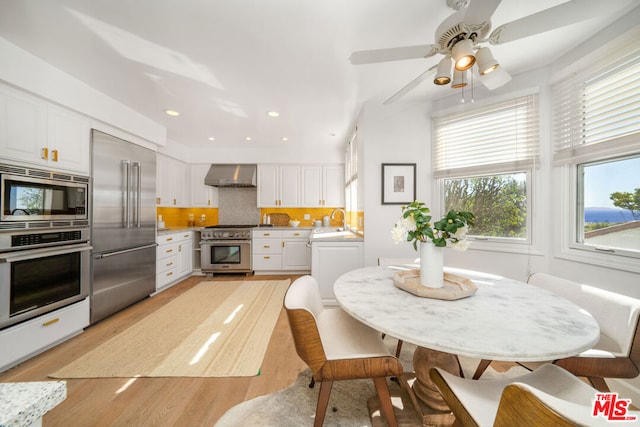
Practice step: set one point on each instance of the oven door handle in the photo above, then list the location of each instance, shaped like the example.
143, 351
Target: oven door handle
223, 242
125, 251
44, 252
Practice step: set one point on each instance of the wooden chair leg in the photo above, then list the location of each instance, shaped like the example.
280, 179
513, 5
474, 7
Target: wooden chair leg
482, 366
385, 401
323, 402
599, 383
398, 348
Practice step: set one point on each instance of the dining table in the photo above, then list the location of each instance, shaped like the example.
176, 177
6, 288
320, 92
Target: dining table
504, 320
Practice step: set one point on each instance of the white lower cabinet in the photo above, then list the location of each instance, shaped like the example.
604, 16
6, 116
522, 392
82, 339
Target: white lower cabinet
330, 260
174, 260
277, 251
34, 336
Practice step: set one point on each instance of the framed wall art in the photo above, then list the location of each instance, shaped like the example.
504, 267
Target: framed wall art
398, 183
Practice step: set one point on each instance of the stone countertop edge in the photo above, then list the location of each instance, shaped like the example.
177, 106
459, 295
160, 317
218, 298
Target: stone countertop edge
24, 403
351, 237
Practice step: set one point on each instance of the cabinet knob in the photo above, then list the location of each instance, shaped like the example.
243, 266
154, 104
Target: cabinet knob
267, 257
169, 239
267, 246
170, 273
45, 153
54, 156
158, 200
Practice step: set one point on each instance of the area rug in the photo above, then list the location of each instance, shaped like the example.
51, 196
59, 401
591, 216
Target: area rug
215, 329
295, 406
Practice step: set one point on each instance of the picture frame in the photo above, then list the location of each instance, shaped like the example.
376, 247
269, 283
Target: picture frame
398, 183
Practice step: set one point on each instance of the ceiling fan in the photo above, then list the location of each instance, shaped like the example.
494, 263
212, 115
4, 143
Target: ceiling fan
461, 38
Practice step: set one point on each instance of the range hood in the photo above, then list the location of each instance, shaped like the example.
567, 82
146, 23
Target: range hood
231, 175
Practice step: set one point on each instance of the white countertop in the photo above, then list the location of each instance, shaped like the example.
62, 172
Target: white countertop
504, 320
22, 404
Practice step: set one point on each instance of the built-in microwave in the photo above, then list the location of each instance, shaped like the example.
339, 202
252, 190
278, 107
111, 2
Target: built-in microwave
31, 195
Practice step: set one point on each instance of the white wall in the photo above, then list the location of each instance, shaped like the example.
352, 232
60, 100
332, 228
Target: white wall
391, 134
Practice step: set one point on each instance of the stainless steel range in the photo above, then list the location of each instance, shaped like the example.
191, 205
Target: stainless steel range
226, 249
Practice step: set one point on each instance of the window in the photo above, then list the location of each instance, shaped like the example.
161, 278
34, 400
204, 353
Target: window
610, 196
483, 159
597, 146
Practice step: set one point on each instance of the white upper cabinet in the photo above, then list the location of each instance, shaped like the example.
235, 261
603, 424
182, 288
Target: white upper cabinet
36, 132
322, 185
202, 195
278, 185
68, 140
171, 182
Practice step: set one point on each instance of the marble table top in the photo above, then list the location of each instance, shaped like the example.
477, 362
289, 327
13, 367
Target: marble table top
504, 320
22, 404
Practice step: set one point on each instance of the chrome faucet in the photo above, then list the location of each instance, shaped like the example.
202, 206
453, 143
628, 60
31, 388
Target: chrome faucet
344, 217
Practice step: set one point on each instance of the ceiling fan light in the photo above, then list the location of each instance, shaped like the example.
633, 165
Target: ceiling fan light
486, 61
459, 79
443, 75
462, 53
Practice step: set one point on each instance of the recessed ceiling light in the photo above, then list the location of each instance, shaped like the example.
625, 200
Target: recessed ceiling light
172, 112
248, 138
273, 113
284, 138
211, 138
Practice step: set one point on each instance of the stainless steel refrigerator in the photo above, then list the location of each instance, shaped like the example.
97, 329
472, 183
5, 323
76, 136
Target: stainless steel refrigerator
123, 236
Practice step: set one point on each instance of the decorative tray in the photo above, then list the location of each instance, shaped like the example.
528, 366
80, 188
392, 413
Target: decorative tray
455, 287
279, 219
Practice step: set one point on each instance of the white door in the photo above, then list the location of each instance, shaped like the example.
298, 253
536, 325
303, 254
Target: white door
311, 184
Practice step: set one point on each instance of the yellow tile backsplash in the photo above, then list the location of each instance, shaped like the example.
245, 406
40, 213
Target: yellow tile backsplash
179, 217
299, 213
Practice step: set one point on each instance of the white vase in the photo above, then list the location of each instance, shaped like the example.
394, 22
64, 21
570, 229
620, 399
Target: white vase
431, 265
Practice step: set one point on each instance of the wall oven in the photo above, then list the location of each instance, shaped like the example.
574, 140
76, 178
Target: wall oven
226, 249
38, 198
41, 272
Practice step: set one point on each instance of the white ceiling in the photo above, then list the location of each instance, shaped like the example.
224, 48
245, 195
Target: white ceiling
224, 64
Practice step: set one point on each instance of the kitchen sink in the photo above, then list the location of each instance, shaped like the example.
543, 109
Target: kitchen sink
329, 230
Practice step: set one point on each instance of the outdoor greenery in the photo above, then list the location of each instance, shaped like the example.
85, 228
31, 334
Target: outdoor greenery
629, 201
499, 203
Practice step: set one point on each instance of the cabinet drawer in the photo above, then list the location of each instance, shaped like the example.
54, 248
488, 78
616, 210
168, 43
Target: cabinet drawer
167, 250
168, 238
25, 339
266, 246
166, 263
267, 262
270, 234
295, 234
166, 277
181, 237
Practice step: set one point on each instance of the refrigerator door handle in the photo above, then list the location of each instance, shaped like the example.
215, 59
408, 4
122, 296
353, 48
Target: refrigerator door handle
124, 251
127, 194
138, 207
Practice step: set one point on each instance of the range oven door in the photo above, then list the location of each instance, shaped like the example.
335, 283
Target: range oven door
225, 255
36, 281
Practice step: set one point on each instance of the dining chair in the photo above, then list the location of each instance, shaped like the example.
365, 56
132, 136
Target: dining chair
617, 354
337, 347
548, 396
403, 263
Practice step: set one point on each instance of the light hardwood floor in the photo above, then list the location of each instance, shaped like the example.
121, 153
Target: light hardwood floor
156, 401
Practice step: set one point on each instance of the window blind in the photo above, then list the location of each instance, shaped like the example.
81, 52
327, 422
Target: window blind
500, 137
597, 112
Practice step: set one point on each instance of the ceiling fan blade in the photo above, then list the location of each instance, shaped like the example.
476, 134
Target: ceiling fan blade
495, 79
559, 16
410, 86
393, 54
480, 11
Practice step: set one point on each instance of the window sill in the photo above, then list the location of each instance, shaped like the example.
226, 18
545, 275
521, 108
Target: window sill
591, 257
